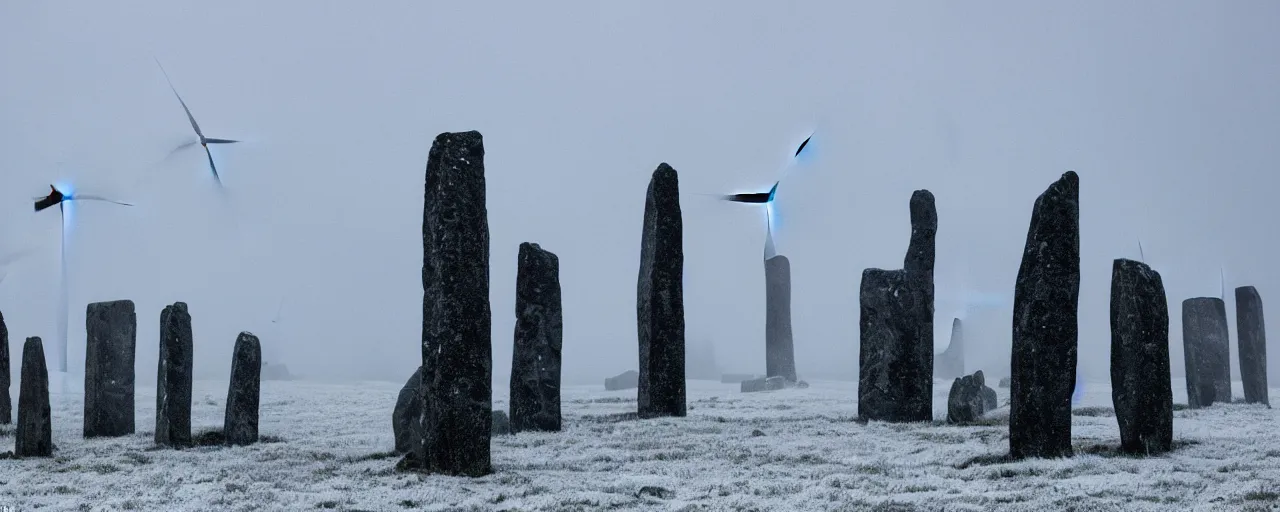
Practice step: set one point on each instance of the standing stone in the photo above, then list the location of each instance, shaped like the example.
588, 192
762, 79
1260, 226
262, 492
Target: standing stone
34, 435
660, 301
112, 335
1252, 334
966, 402
535, 366
1206, 346
989, 400
1141, 387
1045, 325
173, 377
406, 415
457, 348
626, 380
895, 377
240, 423
779, 350
950, 363
6, 405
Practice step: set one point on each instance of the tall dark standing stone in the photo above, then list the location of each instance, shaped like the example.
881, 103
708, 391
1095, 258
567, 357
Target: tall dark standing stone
405, 418
240, 423
112, 336
34, 436
6, 405
1252, 333
1141, 386
457, 348
660, 301
535, 359
950, 363
779, 349
1206, 347
1045, 325
895, 375
173, 377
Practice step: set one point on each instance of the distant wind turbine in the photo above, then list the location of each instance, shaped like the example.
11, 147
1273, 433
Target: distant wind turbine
202, 140
63, 198
766, 199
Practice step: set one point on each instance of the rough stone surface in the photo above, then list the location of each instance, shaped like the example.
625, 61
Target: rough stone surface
989, 399
965, 402
1141, 387
950, 363
535, 366
896, 327
457, 344
1206, 346
1045, 325
779, 349
1252, 333
660, 300
173, 377
110, 347
773, 383
629, 379
34, 434
6, 405
240, 424
404, 418
501, 424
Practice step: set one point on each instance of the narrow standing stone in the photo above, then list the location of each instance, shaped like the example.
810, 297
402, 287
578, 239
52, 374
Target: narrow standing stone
110, 346
1045, 325
173, 377
1141, 386
34, 436
6, 405
240, 423
950, 363
1252, 333
535, 366
406, 416
779, 350
1206, 346
457, 347
660, 301
896, 327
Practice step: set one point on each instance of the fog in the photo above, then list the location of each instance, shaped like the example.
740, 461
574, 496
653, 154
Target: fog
1167, 110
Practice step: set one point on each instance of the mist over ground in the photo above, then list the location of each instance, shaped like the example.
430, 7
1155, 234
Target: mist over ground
1167, 111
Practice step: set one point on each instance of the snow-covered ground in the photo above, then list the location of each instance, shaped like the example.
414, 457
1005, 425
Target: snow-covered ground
795, 449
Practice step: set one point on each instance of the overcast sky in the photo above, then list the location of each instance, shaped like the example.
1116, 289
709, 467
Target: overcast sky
1167, 109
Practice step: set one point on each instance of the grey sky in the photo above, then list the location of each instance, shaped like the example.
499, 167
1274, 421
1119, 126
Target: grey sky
1167, 110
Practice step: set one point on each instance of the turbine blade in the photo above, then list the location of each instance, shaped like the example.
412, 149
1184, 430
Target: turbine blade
79, 197
213, 167
220, 141
190, 117
754, 197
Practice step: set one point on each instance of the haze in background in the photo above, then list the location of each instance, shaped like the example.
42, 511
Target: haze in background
1167, 110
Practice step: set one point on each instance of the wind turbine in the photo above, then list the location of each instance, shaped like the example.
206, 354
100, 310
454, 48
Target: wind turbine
766, 198
63, 198
202, 140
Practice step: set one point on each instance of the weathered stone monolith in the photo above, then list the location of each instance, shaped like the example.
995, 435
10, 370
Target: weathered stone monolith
240, 423
535, 365
950, 363
173, 377
660, 300
896, 327
34, 435
1141, 387
1252, 333
457, 346
1206, 346
110, 346
1045, 325
406, 416
966, 402
6, 405
779, 349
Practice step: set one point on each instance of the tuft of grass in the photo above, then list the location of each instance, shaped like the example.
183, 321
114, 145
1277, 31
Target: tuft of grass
1263, 494
212, 437
1095, 412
